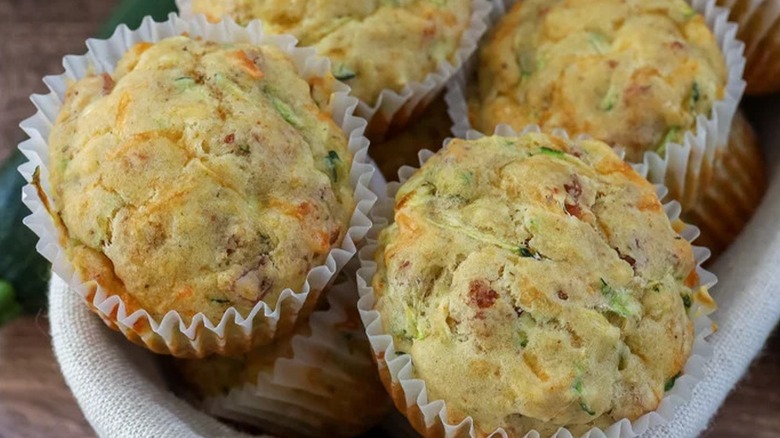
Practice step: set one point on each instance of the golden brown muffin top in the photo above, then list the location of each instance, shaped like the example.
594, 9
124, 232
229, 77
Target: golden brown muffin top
634, 73
536, 282
198, 177
373, 44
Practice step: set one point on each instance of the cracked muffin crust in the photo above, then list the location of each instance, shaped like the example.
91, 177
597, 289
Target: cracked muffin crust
373, 45
198, 177
536, 283
634, 73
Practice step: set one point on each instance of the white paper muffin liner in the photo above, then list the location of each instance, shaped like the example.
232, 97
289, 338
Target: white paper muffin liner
234, 333
394, 109
429, 417
284, 400
686, 168
759, 21
500, 8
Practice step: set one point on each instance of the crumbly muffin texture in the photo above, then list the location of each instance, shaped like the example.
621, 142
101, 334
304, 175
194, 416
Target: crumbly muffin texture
536, 282
198, 177
633, 73
373, 44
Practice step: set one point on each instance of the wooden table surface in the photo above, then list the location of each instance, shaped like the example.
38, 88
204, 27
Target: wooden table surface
34, 401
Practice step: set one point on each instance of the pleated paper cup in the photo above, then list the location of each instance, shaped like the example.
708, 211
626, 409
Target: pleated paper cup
395, 425
429, 417
759, 28
321, 381
393, 109
426, 132
685, 169
734, 193
233, 333
500, 8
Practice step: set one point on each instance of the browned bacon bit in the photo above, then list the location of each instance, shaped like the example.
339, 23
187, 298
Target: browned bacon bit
677, 45
334, 236
612, 63
563, 295
574, 189
628, 259
429, 31
405, 264
266, 285
230, 138
481, 294
573, 210
108, 83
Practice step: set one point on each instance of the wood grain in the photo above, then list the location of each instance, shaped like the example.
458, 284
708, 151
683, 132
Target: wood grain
34, 400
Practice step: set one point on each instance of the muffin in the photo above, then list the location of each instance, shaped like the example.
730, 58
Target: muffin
373, 46
318, 381
401, 148
734, 193
199, 178
759, 28
535, 283
635, 74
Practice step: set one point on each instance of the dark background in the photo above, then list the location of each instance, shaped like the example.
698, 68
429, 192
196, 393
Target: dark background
34, 401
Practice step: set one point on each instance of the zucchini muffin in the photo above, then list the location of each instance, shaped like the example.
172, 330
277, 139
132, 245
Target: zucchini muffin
319, 381
373, 45
536, 283
634, 73
198, 177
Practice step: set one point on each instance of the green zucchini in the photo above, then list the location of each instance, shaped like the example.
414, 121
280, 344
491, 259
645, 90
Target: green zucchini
132, 12
9, 307
26, 271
